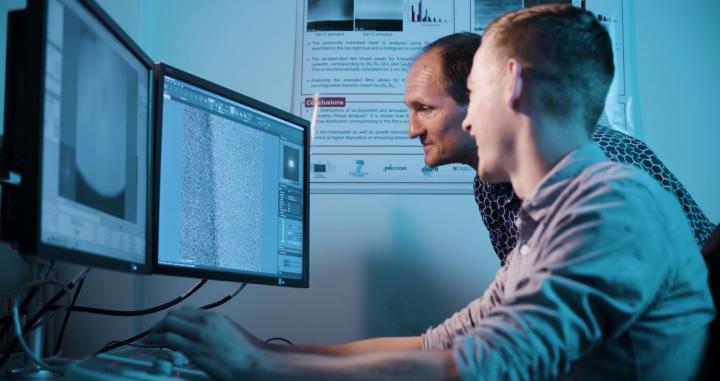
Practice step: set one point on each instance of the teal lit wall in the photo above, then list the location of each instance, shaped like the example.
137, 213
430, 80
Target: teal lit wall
678, 85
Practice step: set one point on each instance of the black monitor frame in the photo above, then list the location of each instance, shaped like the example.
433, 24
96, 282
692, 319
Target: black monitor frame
23, 140
161, 71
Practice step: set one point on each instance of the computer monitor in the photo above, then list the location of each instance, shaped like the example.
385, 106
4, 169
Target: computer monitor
231, 181
78, 112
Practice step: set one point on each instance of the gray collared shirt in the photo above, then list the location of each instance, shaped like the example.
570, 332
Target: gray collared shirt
606, 282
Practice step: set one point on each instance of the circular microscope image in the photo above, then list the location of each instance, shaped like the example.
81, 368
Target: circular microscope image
101, 120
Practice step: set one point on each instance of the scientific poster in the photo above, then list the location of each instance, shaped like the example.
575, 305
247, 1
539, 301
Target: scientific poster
351, 60
617, 107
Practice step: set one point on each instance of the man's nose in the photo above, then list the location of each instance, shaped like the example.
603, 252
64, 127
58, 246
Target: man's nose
414, 128
466, 126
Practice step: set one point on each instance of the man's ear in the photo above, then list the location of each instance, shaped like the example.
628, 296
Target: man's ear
515, 82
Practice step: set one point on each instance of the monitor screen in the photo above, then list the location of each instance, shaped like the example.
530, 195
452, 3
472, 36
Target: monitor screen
94, 175
232, 185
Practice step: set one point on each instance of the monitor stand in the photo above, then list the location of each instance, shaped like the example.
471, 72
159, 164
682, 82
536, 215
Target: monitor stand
35, 338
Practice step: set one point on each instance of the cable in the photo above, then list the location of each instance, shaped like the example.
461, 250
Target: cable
120, 343
225, 299
278, 339
100, 311
58, 344
49, 269
147, 346
19, 337
32, 320
6, 321
50, 305
147, 311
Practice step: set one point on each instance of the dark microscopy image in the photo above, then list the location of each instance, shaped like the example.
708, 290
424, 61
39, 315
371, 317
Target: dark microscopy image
379, 15
329, 15
532, 3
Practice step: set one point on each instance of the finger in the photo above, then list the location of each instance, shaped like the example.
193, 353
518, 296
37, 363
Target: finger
171, 340
198, 354
240, 328
190, 313
178, 325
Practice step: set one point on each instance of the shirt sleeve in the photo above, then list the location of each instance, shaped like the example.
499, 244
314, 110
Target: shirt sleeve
444, 336
590, 281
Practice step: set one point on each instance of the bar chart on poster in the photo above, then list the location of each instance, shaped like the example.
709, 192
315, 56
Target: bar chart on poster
351, 59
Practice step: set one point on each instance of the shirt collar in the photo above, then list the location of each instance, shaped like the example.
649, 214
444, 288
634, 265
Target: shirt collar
554, 182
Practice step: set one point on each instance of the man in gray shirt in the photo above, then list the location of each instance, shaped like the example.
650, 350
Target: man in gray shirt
606, 280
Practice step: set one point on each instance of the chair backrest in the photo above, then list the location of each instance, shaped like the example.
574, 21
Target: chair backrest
711, 254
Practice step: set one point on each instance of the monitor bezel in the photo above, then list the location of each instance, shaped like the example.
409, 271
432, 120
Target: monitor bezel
162, 70
31, 245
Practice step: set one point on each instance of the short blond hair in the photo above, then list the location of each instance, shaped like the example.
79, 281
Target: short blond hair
566, 56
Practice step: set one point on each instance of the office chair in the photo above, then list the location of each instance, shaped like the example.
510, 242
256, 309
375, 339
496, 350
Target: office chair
711, 254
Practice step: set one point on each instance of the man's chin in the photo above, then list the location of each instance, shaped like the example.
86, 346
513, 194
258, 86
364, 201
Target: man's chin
431, 162
492, 176
435, 161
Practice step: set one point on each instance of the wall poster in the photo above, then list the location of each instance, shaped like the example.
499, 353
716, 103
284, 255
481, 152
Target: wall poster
351, 59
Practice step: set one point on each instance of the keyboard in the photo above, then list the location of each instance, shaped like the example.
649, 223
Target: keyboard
145, 364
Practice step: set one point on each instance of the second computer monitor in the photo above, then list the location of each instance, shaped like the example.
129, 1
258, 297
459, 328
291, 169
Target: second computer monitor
232, 185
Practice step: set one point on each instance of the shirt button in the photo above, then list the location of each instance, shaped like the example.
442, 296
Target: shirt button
524, 250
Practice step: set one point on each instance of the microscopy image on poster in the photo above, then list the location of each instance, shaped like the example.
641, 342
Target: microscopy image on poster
485, 11
368, 62
329, 15
379, 15
532, 3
